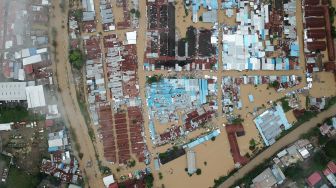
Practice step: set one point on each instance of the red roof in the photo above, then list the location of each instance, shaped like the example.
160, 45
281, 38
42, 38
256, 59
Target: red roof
332, 167
314, 179
49, 122
326, 172
113, 185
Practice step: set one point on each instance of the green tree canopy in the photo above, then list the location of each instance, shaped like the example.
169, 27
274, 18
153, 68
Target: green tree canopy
76, 58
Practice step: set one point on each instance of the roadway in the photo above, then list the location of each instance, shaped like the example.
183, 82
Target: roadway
67, 98
284, 141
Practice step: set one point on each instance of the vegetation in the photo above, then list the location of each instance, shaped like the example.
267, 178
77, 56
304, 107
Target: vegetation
198, 171
294, 172
132, 163
154, 78
200, 18
17, 114
137, 13
160, 176
105, 170
237, 121
253, 144
76, 58
205, 163
213, 138
78, 14
330, 102
330, 150
149, 179
18, 178
274, 84
285, 104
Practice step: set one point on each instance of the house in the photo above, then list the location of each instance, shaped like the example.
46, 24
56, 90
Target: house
330, 176
314, 179
108, 180
332, 167
271, 177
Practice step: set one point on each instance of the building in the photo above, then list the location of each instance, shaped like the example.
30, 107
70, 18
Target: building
6, 126
57, 141
191, 162
35, 96
131, 37
12, 91
314, 179
271, 123
108, 180
330, 176
269, 178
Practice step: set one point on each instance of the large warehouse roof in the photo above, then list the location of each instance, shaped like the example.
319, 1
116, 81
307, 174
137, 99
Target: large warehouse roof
35, 96
12, 91
32, 59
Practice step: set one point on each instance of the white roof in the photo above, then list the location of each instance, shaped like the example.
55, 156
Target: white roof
108, 180
32, 59
12, 91
45, 2
35, 96
5, 127
21, 74
25, 52
55, 142
41, 50
131, 37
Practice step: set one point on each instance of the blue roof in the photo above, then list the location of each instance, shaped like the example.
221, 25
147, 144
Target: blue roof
270, 124
202, 139
251, 98
51, 149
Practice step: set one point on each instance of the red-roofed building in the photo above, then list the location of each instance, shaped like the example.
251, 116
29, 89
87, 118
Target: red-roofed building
326, 172
113, 185
49, 122
314, 179
332, 167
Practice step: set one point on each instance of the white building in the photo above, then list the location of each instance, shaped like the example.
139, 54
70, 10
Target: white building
12, 91
35, 96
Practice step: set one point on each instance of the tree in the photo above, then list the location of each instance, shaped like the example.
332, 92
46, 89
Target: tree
213, 138
274, 84
132, 10
294, 172
319, 160
198, 171
137, 13
149, 179
330, 150
76, 58
160, 176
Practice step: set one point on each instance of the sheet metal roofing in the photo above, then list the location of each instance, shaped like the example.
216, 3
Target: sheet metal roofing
271, 123
12, 91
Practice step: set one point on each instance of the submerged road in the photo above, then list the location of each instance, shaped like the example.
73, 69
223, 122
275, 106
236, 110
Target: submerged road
67, 98
284, 141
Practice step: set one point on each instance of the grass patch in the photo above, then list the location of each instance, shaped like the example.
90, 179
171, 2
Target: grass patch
18, 178
17, 114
